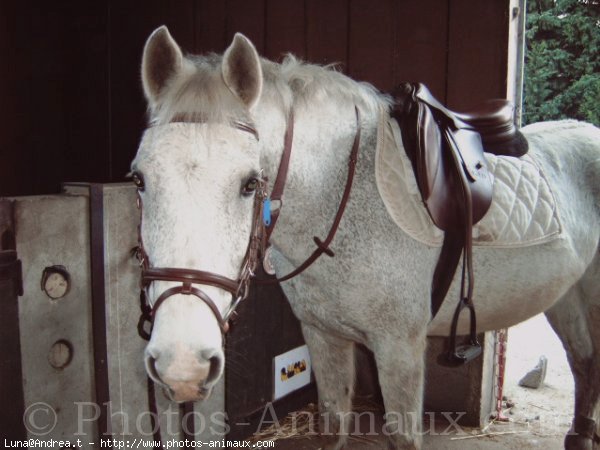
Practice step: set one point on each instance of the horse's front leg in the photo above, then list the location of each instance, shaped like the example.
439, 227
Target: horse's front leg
333, 364
400, 365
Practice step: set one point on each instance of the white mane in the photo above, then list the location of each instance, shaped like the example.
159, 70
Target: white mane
199, 91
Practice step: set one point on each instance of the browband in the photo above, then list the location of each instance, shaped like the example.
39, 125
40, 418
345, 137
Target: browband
197, 118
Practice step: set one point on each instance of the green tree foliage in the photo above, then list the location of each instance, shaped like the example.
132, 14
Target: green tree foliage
562, 66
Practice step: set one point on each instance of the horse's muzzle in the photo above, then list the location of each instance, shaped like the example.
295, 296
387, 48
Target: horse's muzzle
185, 376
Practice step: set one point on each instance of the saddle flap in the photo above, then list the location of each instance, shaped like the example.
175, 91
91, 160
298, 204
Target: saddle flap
443, 152
428, 164
433, 171
466, 145
471, 152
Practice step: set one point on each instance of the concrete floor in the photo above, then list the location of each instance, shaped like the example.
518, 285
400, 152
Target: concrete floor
551, 405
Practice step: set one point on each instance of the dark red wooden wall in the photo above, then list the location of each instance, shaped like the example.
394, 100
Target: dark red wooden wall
71, 106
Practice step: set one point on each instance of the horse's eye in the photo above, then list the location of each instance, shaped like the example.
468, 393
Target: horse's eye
138, 180
250, 186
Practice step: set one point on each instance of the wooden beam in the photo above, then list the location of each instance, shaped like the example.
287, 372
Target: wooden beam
477, 51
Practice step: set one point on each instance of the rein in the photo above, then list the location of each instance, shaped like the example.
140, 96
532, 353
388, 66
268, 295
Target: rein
277, 194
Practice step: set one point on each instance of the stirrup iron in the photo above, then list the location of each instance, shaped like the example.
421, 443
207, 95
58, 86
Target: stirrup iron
458, 355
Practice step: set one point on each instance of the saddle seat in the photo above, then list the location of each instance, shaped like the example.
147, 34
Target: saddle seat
494, 121
492, 112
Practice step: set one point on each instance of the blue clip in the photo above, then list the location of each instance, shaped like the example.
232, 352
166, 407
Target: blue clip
267, 211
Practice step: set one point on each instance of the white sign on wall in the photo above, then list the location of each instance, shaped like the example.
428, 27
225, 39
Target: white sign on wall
292, 371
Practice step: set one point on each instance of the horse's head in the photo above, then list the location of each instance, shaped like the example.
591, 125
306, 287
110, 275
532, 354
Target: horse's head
197, 173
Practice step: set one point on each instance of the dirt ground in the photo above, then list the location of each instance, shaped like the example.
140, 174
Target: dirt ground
514, 441
538, 418
548, 409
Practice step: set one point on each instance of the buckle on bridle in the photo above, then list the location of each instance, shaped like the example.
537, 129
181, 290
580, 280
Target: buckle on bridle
145, 319
186, 288
232, 307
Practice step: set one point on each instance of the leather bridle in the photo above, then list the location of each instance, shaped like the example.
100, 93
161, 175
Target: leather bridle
238, 289
263, 223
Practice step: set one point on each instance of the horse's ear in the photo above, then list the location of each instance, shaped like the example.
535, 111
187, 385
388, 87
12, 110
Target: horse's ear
162, 60
242, 71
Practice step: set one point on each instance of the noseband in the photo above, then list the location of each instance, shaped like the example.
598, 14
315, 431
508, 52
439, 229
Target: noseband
238, 289
262, 227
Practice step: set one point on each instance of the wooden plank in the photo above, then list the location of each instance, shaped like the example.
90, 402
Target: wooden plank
98, 289
421, 35
58, 66
516, 56
210, 26
13, 167
285, 28
62, 87
247, 17
127, 39
327, 32
371, 41
264, 328
45, 146
11, 373
84, 92
11, 388
477, 51
242, 358
249, 351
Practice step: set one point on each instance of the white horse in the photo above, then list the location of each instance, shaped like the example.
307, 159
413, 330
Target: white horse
199, 174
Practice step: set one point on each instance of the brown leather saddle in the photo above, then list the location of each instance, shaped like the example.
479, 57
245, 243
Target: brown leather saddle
446, 150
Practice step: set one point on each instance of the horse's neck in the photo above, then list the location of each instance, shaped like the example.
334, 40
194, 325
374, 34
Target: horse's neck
323, 138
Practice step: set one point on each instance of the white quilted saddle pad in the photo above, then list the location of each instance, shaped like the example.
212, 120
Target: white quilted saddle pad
523, 211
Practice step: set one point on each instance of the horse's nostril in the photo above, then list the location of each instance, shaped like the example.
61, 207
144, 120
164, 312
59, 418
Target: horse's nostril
216, 367
150, 362
186, 376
